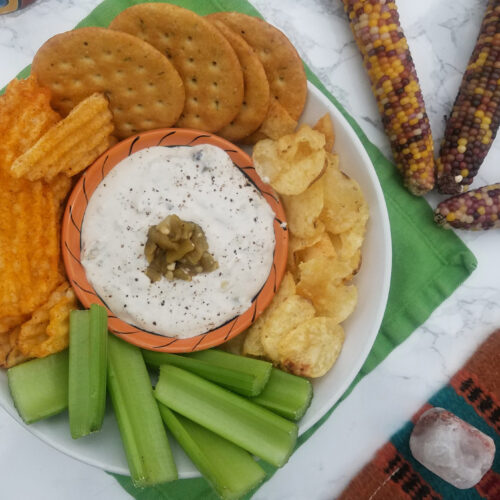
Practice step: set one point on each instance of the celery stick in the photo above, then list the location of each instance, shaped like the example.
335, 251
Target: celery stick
233, 417
229, 469
257, 368
39, 387
88, 340
144, 437
286, 394
245, 376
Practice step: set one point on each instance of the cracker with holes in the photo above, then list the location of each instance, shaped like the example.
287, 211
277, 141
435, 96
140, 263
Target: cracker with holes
256, 96
282, 64
144, 89
205, 60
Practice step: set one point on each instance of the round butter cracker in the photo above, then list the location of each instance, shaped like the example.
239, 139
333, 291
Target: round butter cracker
283, 66
256, 96
144, 90
205, 60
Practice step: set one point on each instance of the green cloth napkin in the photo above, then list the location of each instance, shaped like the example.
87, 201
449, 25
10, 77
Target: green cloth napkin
428, 263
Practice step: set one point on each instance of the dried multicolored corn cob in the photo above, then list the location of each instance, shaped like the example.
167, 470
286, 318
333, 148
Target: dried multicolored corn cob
474, 210
387, 58
475, 117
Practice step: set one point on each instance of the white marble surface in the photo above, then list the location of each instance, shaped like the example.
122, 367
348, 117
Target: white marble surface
441, 36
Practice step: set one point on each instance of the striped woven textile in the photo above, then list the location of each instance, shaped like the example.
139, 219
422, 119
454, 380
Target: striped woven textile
473, 394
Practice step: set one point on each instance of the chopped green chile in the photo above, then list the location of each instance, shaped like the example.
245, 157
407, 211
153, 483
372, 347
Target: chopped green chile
177, 249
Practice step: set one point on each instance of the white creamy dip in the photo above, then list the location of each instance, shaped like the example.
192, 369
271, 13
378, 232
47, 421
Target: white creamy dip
198, 184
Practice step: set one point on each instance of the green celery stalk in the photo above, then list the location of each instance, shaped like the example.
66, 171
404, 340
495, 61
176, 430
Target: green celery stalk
286, 394
144, 437
229, 469
233, 417
88, 341
257, 368
39, 387
245, 376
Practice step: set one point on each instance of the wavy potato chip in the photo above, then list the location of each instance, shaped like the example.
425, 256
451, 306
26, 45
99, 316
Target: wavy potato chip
302, 210
10, 355
344, 202
71, 145
47, 332
25, 115
287, 315
322, 281
13, 355
355, 262
293, 162
5, 347
295, 245
252, 344
332, 161
9, 322
320, 271
266, 161
322, 248
349, 242
325, 126
311, 349
29, 245
29, 211
337, 301
276, 124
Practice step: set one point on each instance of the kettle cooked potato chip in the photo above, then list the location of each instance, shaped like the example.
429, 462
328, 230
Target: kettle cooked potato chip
252, 345
303, 210
293, 162
287, 315
327, 219
312, 347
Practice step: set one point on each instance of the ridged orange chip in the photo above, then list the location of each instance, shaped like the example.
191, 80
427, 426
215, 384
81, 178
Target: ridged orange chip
9, 322
29, 211
47, 332
10, 355
29, 245
71, 145
25, 115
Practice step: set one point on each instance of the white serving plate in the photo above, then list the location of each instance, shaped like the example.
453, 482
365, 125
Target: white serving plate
104, 449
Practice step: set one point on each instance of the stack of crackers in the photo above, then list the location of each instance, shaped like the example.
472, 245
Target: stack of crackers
161, 65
